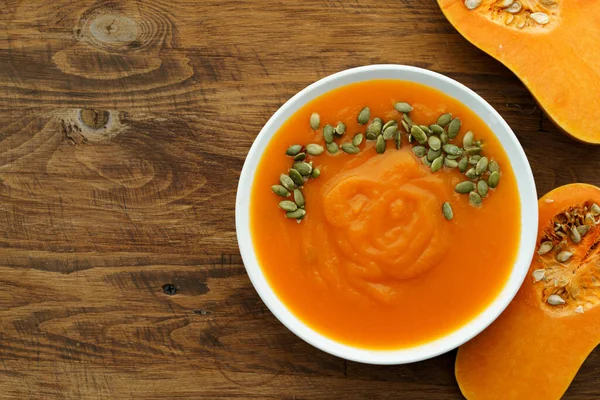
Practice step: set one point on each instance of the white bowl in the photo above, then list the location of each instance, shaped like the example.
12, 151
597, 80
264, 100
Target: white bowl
527, 195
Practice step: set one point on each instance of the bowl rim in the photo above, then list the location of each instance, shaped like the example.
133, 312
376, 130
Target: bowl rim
527, 197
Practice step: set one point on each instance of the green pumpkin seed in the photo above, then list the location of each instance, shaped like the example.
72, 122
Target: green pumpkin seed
350, 148
434, 142
437, 164
475, 199
425, 129
468, 139
402, 107
280, 190
296, 179
482, 188
478, 143
300, 157
450, 163
473, 160
364, 115
373, 130
447, 211
302, 167
332, 147
378, 120
405, 126
314, 149
464, 187
418, 134
462, 164
454, 128
408, 120
287, 182
433, 154
328, 133
453, 157
436, 129
293, 150
398, 140
419, 151
357, 139
298, 214
390, 132
494, 166
472, 150
391, 122
494, 179
595, 209
452, 149
444, 119
315, 121
444, 138
481, 166
315, 173
340, 129
410, 138
298, 198
380, 145
287, 205
471, 174
426, 161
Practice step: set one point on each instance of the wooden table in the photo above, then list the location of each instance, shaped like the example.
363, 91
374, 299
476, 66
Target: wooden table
123, 128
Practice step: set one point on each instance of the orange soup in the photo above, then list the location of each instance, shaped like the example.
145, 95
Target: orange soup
374, 263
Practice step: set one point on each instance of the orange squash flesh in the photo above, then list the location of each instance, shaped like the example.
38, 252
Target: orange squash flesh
534, 349
559, 62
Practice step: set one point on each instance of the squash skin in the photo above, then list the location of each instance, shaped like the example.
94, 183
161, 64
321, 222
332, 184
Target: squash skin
528, 353
559, 64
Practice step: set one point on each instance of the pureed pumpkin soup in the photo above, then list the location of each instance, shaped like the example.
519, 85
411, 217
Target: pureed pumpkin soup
385, 214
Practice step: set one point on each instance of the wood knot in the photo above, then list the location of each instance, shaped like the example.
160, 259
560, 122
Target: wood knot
90, 125
114, 30
94, 119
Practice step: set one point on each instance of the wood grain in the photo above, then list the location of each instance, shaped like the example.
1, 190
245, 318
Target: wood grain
123, 128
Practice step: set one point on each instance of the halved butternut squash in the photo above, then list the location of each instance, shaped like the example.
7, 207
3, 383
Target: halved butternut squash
535, 348
551, 45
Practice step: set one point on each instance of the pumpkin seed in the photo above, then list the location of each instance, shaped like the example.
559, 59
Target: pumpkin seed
451, 157
595, 209
514, 8
357, 139
454, 128
418, 134
410, 138
444, 137
314, 149
579, 309
472, 150
589, 219
402, 107
390, 132
468, 139
315, 121
287, 182
464, 187
332, 147
373, 130
575, 235
328, 133
293, 150
405, 126
452, 149
296, 178
583, 229
540, 17
419, 151
462, 164
482, 188
475, 199
300, 157
481, 166
564, 256
432, 154
472, 4
447, 211
298, 214
444, 119
545, 247
302, 167
380, 145
437, 164
425, 129
280, 190
471, 174
391, 122
538, 275
378, 120
364, 115
398, 140
287, 205
315, 173
450, 163
436, 129
407, 119
298, 198
494, 166
555, 300
350, 148
504, 3
494, 179
340, 129
434, 142
426, 161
